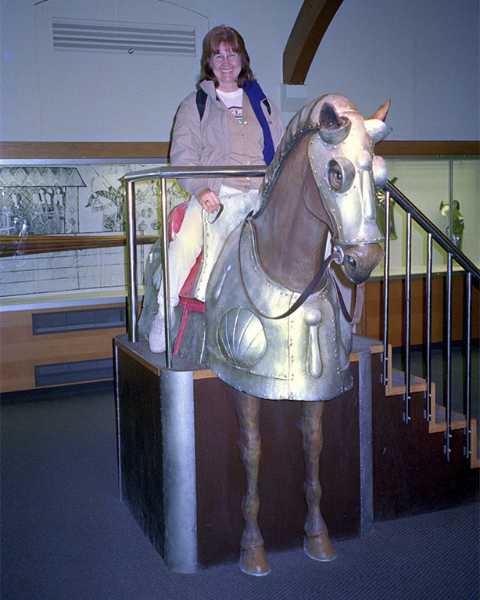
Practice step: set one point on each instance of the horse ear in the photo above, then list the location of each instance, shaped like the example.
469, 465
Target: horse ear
376, 129
382, 111
333, 129
375, 125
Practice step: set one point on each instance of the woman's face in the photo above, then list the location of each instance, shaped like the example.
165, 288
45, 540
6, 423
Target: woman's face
226, 66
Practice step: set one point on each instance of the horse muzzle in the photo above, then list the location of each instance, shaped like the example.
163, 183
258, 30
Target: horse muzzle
358, 261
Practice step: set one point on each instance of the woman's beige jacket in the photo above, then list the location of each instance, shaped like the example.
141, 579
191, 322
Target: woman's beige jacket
218, 140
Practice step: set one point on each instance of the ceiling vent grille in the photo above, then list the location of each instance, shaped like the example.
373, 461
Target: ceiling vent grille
124, 37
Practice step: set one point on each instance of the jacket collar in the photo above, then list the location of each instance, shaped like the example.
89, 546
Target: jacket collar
209, 88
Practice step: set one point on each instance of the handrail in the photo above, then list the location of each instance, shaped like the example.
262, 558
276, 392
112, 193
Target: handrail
430, 227
453, 253
175, 172
11, 245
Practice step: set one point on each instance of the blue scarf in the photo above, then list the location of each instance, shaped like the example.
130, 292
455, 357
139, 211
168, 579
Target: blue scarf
256, 96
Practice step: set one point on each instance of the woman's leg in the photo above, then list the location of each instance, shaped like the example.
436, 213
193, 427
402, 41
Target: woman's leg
183, 250
182, 254
236, 206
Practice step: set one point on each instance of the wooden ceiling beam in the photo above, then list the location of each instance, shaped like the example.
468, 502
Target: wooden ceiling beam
312, 22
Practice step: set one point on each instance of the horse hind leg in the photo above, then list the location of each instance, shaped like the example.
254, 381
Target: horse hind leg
253, 560
317, 544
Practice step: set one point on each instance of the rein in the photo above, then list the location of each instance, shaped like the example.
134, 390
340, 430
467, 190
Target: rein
307, 292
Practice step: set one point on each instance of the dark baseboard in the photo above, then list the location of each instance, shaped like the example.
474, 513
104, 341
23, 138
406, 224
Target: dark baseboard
57, 392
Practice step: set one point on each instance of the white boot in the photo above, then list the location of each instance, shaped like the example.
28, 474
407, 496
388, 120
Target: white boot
156, 337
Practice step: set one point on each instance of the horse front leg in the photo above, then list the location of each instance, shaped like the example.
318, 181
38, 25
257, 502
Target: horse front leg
317, 544
253, 560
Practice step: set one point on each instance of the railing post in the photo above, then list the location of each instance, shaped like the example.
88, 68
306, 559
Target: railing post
468, 382
166, 274
386, 284
450, 199
428, 332
132, 263
407, 315
448, 408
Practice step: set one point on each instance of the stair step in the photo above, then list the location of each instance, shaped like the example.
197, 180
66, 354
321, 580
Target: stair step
396, 387
475, 457
438, 422
397, 383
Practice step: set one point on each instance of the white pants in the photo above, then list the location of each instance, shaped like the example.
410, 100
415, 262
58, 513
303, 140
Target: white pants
189, 241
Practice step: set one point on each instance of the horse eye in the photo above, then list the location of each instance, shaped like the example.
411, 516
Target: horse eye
340, 175
335, 176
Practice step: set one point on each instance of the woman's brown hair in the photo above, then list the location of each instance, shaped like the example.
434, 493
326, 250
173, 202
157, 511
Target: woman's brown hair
231, 38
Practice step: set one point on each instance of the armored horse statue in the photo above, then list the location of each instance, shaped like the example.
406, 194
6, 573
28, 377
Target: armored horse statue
276, 324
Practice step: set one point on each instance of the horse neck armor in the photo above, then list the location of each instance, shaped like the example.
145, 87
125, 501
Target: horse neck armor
302, 357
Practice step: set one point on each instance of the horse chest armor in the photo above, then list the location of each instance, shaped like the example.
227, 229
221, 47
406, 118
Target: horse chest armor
301, 357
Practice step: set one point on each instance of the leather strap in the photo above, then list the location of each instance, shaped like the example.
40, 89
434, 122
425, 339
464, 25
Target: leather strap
341, 301
307, 292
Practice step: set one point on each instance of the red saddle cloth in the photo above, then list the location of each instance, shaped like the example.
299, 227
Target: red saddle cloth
187, 302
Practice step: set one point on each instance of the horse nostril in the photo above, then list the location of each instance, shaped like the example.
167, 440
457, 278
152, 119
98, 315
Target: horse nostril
351, 261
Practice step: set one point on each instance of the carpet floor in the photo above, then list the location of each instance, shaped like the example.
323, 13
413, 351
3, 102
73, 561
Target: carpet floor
66, 536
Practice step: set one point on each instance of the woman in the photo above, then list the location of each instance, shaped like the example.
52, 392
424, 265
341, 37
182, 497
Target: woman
228, 121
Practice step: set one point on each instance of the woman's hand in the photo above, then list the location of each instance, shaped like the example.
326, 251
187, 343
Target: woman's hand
208, 200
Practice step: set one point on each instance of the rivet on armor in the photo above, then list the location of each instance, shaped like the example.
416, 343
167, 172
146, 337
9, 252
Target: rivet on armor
313, 316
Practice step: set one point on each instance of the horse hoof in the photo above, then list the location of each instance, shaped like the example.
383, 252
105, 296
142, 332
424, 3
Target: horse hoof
319, 547
253, 561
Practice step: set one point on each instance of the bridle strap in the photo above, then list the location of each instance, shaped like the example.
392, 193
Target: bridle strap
307, 292
341, 301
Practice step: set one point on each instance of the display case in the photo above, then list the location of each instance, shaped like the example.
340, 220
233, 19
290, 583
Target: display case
40, 200
62, 259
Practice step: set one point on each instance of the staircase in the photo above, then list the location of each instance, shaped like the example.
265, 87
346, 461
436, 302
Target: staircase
426, 453
434, 412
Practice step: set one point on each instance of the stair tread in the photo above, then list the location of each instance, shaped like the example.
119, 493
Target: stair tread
398, 378
440, 414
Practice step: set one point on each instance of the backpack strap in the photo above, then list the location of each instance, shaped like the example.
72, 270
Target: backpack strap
201, 99
257, 98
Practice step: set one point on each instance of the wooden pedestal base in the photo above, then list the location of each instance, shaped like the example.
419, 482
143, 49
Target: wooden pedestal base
181, 472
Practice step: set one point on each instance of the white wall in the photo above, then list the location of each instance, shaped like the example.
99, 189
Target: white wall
52, 95
423, 54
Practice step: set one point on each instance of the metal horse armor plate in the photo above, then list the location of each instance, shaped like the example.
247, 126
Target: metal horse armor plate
247, 349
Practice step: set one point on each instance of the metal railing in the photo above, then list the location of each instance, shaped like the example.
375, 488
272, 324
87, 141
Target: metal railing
162, 174
413, 213
471, 273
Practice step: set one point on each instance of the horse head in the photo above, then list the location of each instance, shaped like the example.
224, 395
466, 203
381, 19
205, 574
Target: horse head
346, 171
